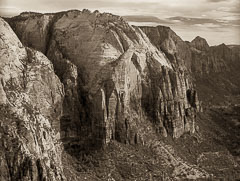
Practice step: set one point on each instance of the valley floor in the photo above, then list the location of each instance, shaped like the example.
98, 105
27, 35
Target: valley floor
211, 153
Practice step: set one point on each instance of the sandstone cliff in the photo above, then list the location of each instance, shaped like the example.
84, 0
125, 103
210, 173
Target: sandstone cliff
200, 44
118, 85
126, 89
214, 69
197, 55
31, 98
171, 44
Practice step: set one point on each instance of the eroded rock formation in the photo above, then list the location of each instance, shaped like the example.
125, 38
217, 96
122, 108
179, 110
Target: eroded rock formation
171, 44
200, 44
31, 98
116, 81
196, 56
113, 82
214, 69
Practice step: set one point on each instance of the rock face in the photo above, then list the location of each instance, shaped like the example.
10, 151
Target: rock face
39, 34
118, 84
210, 59
31, 97
171, 44
200, 44
197, 56
114, 83
214, 69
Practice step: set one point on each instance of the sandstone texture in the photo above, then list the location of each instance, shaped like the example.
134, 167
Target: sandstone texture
213, 69
84, 92
116, 81
30, 108
171, 44
200, 44
198, 57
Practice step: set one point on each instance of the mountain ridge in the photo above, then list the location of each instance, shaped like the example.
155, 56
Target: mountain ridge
123, 85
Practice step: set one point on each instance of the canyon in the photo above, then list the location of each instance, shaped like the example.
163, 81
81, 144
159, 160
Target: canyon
84, 95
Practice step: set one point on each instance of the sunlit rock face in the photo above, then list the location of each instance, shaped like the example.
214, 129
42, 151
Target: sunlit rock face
118, 84
113, 82
31, 97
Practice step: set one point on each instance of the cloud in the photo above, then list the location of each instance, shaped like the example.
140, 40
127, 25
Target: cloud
140, 18
216, 31
192, 21
224, 21
9, 11
186, 16
215, 1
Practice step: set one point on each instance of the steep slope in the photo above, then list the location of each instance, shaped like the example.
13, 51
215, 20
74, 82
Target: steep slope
211, 59
217, 74
125, 93
200, 44
214, 69
122, 86
119, 88
171, 44
31, 96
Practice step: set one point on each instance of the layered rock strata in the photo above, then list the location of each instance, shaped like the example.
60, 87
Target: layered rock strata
214, 69
196, 56
31, 97
116, 81
171, 44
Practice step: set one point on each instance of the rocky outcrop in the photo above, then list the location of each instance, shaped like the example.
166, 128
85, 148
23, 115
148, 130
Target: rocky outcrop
214, 59
166, 40
118, 85
40, 28
30, 108
200, 44
197, 56
214, 70
210, 59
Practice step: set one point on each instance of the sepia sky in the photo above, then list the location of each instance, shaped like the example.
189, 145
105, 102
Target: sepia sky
216, 20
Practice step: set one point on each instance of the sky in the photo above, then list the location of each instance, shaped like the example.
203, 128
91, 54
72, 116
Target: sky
218, 21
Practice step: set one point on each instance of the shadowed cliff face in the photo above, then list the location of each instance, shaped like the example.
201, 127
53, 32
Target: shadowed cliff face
216, 70
213, 69
200, 44
172, 45
123, 89
118, 85
31, 98
198, 57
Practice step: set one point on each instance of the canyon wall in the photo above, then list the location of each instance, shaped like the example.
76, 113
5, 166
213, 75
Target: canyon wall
31, 97
213, 69
118, 84
74, 81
